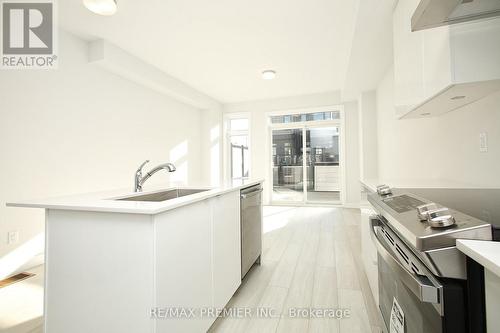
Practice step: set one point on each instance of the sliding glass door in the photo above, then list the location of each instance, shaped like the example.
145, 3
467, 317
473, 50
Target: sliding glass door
306, 164
287, 164
323, 164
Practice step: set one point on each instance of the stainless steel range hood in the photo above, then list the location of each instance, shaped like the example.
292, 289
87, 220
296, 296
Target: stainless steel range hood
435, 13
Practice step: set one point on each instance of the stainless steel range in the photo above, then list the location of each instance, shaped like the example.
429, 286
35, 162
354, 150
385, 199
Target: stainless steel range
420, 267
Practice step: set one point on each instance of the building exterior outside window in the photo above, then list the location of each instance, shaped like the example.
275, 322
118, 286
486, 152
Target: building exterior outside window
238, 146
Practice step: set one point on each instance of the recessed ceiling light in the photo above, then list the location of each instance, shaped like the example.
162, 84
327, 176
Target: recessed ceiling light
457, 97
268, 74
101, 7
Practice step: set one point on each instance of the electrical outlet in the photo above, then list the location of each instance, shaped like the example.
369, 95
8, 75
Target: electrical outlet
483, 142
12, 237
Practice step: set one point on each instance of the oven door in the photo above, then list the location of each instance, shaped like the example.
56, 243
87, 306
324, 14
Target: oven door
418, 295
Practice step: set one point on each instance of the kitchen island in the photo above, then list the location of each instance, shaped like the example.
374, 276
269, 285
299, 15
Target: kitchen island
117, 263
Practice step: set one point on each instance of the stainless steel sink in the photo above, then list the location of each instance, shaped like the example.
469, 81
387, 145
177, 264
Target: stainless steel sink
164, 195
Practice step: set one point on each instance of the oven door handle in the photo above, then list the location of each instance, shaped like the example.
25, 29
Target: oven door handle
423, 288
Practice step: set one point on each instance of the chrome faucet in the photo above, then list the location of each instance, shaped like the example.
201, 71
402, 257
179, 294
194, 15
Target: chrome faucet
139, 180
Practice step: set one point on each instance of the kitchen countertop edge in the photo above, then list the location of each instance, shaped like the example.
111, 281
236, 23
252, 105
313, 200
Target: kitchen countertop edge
104, 201
486, 253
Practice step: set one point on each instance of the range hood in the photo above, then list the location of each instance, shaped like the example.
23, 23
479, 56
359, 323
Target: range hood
435, 13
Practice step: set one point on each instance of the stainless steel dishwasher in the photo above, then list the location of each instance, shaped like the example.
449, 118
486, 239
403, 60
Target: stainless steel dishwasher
251, 227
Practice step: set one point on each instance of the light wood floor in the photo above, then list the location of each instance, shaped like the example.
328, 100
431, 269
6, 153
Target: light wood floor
21, 305
311, 259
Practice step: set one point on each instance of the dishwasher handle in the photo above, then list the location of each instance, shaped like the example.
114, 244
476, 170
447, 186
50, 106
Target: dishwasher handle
250, 194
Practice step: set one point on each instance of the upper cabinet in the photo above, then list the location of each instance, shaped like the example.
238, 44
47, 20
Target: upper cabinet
436, 13
441, 69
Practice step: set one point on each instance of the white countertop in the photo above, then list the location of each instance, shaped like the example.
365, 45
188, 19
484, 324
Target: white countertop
106, 201
485, 253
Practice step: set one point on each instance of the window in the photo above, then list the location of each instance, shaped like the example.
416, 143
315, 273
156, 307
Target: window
238, 151
314, 116
239, 156
238, 124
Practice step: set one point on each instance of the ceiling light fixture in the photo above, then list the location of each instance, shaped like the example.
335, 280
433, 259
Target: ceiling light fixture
101, 7
268, 74
454, 98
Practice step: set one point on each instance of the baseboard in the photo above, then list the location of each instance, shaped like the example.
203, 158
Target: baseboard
351, 205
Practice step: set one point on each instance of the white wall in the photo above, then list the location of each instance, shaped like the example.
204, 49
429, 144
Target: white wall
440, 151
211, 146
260, 147
353, 189
367, 111
81, 129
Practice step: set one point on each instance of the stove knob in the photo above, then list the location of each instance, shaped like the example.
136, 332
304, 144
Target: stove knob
440, 218
423, 210
384, 190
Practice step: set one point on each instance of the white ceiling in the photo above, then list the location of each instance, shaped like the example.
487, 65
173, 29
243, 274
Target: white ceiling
220, 47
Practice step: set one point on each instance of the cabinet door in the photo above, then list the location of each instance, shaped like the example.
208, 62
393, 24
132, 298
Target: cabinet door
408, 58
369, 252
183, 246
437, 61
422, 59
226, 247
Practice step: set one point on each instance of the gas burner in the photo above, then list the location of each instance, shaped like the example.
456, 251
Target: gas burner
440, 218
423, 210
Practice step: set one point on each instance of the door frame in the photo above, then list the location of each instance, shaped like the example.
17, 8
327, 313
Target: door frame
304, 125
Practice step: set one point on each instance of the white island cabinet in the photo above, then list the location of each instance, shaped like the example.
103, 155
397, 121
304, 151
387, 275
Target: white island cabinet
125, 266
